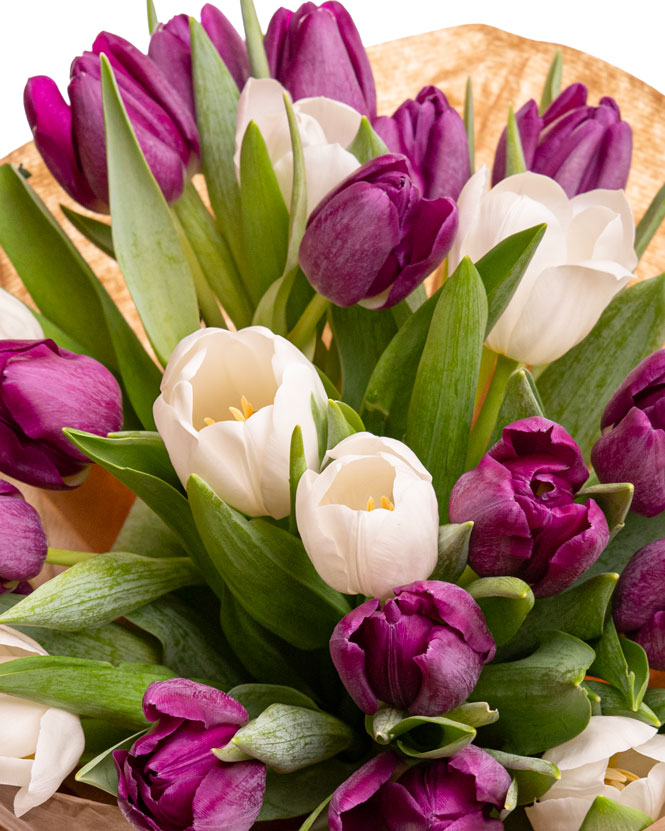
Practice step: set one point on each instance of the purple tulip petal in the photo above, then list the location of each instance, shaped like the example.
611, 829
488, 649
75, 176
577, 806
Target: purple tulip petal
571, 98
530, 125
349, 658
492, 780
228, 43
651, 637
400, 809
185, 699
639, 593
358, 789
615, 158
357, 55
230, 797
645, 384
23, 543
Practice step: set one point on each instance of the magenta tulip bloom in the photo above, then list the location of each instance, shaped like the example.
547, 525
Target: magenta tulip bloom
44, 388
374, 239
171, 779
71, 138
317, 51
433, 637
581, 147
632, 447
431, 134
22, 540
521, 501
460, 793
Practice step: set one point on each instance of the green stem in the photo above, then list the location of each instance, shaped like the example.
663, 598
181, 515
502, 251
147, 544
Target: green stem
302, 333
487, 364
258, 61
484, 426
61, 557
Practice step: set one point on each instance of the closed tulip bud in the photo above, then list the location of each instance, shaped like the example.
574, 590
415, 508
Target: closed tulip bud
632, 447
16, 321
44, 388
582, 147
22, 539
171, 778
374, 239
431, 634
460, 792
317, 51
521, 499
431, 134
71, 138
370, 520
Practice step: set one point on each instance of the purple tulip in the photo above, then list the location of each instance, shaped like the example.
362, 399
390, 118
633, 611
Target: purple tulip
71, 138
44, 388
171, 779
317, 50
581, 147
460, 793
170, 49
22, 540
632, 447
374, 238
431, 134
521, 501
422, 651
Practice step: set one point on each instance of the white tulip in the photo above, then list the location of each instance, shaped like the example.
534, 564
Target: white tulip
39, 746
370, 520
326, 128
585, 257
228, 406
637, 754
16, 321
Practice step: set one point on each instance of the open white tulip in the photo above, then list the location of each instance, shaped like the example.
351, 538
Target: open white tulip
585, 257
635, 777
229, 404
326, 128
370, 520
39, 746
16, 321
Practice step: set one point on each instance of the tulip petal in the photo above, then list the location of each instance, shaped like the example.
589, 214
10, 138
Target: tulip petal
326, 165
20, 727
340, 122
359, 788
566, 814
16, 321
602, 738
349, 658
228, 43
185, 699
230, 797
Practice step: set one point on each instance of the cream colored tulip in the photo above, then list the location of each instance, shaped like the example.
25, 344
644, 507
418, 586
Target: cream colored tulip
16, 321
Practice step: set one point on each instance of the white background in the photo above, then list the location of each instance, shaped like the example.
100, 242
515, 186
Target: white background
40, 37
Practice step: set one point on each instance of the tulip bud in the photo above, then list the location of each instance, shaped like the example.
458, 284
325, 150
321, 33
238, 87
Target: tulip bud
433, 637
44, 388
632, 447
171, 778
317, 51
71, 139
22, 539
521, 501
457, 792
431, 134
16, 321
374, 239
582, 147
370, 520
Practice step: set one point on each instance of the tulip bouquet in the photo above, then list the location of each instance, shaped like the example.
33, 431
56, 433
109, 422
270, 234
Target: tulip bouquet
396, 435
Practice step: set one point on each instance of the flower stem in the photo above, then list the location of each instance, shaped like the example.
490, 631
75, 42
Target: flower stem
302, 333
487, 364
61, 557
482, 430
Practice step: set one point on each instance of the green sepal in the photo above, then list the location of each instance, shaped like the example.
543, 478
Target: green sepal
614, 500
607, 815
453, 546
534, 777
367, 144
552, 86
97, 232
622, 663
505, 602
101, 771
520, 400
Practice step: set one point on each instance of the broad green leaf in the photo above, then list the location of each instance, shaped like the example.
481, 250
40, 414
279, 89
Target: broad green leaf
534, 776
607, 815
514, 153
421, 737
87, 688
55, 333
474, 713
294, 794
520, 400
614, 500
441, 407
367, 144
101, 771
654, 698
256, 698
622, 663
650, 222
637, 532
267, 571
146, 237
101, 590
453, 551
469, 125
146, 534
539, 698
97, 232
576, 388
258, 61
552, 86
614, 703
504, 601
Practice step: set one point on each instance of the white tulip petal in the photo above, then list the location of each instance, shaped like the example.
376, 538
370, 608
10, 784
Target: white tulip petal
595, 233
15, 644
648, 794
261, 101
468, 205
582, 781
367, 444
653, 748
326, 166
20, 726
561, 814
601, 738
339, 122
616, 201
15, 772
16, 321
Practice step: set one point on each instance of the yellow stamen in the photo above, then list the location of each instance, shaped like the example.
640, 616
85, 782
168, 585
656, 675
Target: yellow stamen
209, 421
387, 504
235, 412
370, 504
247, 410
618, 778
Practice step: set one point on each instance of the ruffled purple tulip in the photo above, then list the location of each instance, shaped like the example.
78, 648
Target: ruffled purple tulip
44, 388
71, 138
171, 779
431, 134
581, 147
464, 792
23, 543
632, 447
422, 650
317, 51
521, 501
170, 49
374, 239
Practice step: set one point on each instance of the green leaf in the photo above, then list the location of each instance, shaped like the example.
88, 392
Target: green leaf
294, 794
469, 122
420, 737
622, 663
367, 144
441, 407
297, 466
453, 551
576, 388
101, 771
654, 698
267, 571
520, 400
539, 698
100, 590
146, 237
96, 232
552, 86
311, 820
614, 500
534, 776
504, 601
343, 422
474, 713
146, 534
613, 703
650, 222
256, 698
607, 815
153, 20
514, 153
87, 688
637, 532
258, 61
